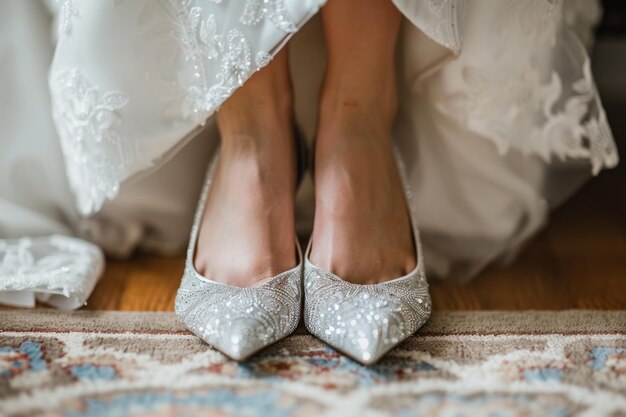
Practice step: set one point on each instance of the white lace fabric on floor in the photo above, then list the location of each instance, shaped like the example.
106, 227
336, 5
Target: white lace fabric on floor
499, 116
58, 270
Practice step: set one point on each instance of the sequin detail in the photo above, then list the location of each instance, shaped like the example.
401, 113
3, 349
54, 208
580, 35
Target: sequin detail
202, 41
273, 10
360, 320
262, 59
235, 67
240, 321
97, 156
237, 321
191, 56
366, 321
67, 11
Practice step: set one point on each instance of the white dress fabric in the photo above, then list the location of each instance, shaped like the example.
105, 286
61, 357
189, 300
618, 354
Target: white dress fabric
499, 117
58, 270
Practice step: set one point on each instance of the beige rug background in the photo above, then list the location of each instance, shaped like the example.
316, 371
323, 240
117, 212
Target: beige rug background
465, 364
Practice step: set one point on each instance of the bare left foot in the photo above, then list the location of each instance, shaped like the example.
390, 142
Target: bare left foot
362, 229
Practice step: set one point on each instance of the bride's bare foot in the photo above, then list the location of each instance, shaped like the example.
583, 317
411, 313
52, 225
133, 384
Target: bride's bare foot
247, 234
362, 229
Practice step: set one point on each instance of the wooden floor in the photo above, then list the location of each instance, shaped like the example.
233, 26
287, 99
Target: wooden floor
579, 261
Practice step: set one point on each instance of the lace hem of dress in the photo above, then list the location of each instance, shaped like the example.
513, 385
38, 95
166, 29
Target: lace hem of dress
98, 158
50, 266
541, 98
553, 126
206, 45
215, 62
440, 20
217, 57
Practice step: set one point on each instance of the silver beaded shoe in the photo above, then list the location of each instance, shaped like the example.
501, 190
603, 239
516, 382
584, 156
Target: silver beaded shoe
366, 321
237, 321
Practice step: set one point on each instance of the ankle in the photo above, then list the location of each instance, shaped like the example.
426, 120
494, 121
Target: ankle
242, 147
264, 101
263, 165
254, 116
252, 125
347, 106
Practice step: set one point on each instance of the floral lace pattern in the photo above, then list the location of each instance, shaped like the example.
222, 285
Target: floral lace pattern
221, 58
56, 264
535, 108
209, 56
209, 61
202, 40
567, 130
97, 156
219, 61
274, 10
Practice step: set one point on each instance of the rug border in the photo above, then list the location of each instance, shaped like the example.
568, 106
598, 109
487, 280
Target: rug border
567, 322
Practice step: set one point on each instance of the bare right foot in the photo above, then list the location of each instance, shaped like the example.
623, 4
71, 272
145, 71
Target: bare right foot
362, 229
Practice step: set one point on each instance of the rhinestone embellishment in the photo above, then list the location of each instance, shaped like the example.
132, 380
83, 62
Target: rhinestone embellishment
237, 321
366, 321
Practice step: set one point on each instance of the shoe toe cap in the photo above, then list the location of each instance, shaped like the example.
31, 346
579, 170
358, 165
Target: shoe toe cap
238, 322
242, 341
365, 324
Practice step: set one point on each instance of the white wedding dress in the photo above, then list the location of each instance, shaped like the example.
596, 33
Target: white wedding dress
106, 123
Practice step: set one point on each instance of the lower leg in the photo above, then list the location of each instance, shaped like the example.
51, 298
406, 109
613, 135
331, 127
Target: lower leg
247, 232
361, 49
362, 228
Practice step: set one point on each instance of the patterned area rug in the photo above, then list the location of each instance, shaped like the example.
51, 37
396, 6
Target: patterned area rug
487, 364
